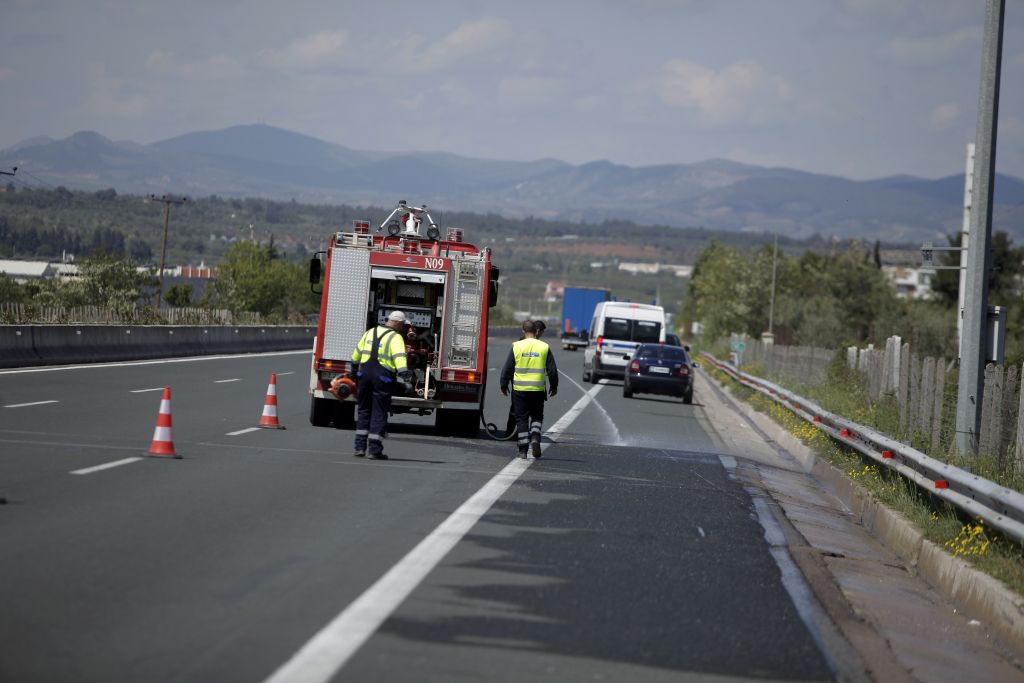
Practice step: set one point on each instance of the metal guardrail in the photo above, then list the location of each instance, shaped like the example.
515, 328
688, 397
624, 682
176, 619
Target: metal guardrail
996, 505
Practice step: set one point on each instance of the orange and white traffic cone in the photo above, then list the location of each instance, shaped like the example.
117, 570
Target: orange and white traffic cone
163, 442
269, 418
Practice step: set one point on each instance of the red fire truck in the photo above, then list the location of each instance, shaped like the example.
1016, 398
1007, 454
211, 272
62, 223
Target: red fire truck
445, 287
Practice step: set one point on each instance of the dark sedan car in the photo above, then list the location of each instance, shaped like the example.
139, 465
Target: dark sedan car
660, 369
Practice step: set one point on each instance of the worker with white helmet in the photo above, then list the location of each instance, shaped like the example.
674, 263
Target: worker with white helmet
380, 362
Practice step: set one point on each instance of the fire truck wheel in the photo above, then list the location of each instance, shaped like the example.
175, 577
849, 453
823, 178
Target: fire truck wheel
320, 411
344, 415
458, 422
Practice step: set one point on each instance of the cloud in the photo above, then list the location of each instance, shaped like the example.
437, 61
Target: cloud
741, 92
214, 68
931, 49
116, 97
414, 53
944, 115
522, 91
319, 50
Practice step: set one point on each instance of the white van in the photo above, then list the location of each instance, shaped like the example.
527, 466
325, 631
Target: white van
616, 329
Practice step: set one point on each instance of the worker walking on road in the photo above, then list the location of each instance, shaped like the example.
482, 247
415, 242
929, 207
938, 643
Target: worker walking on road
510, 427
380, 362
529, 362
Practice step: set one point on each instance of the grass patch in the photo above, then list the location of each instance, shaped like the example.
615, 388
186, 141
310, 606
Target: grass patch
941, 523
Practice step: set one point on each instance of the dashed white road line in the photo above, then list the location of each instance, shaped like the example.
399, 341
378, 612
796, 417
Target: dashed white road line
282, 374
225, 381
107, 466
142, 391
34, 403
607, 417
320, 658
243, 431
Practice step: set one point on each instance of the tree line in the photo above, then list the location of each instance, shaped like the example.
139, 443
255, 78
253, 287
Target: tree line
252, 278
840, 298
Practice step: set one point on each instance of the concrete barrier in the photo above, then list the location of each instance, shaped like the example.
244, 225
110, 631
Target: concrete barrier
16, 345
28, 345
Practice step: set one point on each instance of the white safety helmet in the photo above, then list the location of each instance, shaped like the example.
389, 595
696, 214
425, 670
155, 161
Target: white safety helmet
397, 316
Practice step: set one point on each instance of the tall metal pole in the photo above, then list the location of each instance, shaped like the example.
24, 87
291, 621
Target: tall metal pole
771, 305
965, 238
974, 352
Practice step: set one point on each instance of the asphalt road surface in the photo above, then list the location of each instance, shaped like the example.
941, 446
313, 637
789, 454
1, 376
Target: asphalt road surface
630, 551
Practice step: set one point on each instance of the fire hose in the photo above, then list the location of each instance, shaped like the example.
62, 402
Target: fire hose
343, 387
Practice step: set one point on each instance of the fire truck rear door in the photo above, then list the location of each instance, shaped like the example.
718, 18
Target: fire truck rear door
348, 294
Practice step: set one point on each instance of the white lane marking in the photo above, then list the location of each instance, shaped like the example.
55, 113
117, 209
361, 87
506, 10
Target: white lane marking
792, 580
142, 391
243, 431
282, 374
321, 658
225, 381
607, 417
701, 531
160, 361
106, 466
34, 403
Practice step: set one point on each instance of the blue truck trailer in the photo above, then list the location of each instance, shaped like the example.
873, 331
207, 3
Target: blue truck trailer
577, 310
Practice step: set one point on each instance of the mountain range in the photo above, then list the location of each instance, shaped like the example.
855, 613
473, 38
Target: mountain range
264, 161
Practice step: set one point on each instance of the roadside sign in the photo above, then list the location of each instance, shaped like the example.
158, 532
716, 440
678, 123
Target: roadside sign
739, 347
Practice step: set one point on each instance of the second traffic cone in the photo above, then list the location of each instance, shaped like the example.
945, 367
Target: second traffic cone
163, 442
269, 418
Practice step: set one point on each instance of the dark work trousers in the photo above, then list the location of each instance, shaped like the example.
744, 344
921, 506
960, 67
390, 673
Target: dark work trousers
373, 397
528, 407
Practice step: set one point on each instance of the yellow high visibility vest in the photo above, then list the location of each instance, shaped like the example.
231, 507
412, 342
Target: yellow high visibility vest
531, 362
390, 349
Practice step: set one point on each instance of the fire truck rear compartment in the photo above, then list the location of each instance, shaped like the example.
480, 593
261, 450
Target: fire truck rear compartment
422, 303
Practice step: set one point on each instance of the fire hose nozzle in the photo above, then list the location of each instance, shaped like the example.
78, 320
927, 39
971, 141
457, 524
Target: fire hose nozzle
342, 387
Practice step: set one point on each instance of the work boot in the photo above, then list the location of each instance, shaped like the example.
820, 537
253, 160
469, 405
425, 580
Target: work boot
378, 456
359, 454
535, 447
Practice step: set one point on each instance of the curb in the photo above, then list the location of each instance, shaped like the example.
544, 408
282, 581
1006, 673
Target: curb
998, 607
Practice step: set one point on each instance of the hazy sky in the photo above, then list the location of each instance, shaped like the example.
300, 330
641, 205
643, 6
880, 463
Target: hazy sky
862, 88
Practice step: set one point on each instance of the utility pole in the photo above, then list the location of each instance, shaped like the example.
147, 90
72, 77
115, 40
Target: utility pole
974, 350
771, 305
965, 237
167, 200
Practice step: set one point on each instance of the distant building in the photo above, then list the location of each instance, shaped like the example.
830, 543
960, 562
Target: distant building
910, 282
23, 271
656, 269
554, 291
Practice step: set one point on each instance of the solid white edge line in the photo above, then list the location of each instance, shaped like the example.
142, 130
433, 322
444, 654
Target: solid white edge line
107, 466
243, 431
225, 381
792, 579
142, 391
34, 403
157, 361
323, 655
